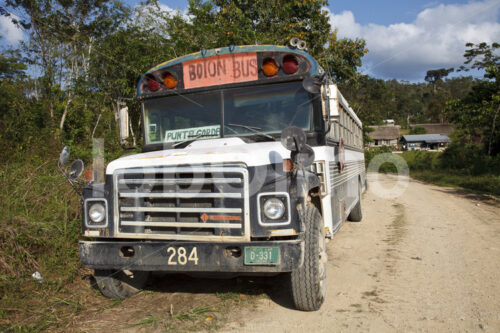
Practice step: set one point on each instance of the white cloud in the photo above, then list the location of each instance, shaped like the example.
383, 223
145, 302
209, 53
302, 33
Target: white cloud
151, 15
9, 31
435, 39
172, 11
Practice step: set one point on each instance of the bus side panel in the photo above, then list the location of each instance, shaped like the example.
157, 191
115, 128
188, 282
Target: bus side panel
339, 204
355, 168
342, 185
326, 204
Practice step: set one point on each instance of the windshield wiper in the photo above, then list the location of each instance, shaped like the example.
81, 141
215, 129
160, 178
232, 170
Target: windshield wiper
191, 139
254, 130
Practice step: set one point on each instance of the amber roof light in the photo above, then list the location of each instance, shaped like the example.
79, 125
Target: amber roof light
169, 80
270, 67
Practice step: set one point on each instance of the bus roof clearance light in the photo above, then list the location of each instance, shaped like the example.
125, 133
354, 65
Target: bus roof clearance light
153, 85
290, 64
169, 81
270, 67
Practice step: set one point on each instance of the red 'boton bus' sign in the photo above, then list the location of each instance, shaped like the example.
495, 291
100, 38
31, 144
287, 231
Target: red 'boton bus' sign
216, 70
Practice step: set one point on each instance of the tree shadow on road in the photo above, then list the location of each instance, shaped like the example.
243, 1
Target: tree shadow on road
483, 198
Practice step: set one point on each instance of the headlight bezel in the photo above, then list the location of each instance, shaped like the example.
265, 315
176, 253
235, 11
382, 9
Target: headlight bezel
88, 204
262, 198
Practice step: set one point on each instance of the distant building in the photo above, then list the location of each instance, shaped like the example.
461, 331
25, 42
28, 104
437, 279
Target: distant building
444, 129
424, 141
389, 122
384, 135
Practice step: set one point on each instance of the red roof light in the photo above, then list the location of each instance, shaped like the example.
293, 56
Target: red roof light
290, 64
153, 85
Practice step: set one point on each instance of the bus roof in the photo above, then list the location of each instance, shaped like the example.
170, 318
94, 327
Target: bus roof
315, 68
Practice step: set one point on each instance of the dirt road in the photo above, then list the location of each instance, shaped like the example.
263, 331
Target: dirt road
428, 260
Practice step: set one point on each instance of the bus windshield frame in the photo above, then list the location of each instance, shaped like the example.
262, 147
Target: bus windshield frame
248, 111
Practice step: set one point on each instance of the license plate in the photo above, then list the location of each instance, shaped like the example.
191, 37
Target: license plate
262, 255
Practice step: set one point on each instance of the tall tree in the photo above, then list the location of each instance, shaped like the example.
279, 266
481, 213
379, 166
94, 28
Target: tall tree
62, 34
478, 111
437, 75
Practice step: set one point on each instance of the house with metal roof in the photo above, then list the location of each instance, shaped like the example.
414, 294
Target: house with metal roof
424, 141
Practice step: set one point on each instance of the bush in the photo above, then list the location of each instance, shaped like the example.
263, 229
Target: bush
418, 130
466, 158
371, 152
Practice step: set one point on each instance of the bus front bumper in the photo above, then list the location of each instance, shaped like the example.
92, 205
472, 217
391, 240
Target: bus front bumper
170, 256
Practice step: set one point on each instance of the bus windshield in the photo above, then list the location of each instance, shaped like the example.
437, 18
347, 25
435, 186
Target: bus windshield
246, 111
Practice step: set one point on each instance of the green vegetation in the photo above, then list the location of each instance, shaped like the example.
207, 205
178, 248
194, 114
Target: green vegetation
418, 130
40, 225
375, 100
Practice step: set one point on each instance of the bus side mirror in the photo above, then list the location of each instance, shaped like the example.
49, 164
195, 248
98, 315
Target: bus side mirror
123, 124
64, 156
76, 169
334, 107
311, 85
294, 139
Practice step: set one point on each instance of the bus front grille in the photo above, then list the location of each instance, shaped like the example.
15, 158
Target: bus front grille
184, 203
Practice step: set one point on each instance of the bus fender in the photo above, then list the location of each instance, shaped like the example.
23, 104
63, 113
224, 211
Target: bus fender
305, 182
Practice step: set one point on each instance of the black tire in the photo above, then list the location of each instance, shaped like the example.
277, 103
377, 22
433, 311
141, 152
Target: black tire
120, 284
356, 214
308, 282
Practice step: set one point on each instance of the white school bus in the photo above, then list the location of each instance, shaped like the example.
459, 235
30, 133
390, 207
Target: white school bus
251, 157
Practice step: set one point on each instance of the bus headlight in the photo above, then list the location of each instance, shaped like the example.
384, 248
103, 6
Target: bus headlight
274, 208
97, 212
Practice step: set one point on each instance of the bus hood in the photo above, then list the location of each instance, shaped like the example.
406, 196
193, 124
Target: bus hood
225, 150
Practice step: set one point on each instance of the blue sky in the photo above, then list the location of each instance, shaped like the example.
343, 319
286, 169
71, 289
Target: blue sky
405, 38
367, 11
386, 12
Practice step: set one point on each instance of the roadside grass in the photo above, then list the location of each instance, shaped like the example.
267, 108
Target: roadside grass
433, 168
39, 229
484, 184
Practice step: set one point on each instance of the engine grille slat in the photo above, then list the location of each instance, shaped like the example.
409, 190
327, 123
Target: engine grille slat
179, 195
183, 224
181, 181
181, 209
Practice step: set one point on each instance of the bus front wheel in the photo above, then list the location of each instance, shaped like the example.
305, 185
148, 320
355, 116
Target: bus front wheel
308, 282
